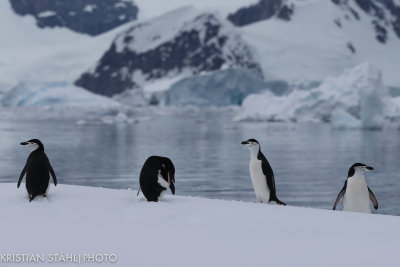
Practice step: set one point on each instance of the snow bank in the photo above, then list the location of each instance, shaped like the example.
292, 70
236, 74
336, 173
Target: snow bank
357, 95
186, 231
33, 93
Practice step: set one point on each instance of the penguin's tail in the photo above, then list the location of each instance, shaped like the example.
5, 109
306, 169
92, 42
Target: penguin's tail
275, 198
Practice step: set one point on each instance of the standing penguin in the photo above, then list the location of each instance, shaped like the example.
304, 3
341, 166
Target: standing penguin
37, 169
157, 174
355, 192
262, 176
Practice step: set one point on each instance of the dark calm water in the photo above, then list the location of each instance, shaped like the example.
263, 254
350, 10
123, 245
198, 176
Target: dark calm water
310, 161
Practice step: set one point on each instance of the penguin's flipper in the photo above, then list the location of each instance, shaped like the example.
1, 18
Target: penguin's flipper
341, 194
53, 174
22, 174
373, 198
138, 192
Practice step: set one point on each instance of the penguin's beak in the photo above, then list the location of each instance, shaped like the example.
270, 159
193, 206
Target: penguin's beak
369, 168
24, 143
245, 143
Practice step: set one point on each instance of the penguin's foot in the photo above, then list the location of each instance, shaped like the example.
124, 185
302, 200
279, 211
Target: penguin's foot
280, 202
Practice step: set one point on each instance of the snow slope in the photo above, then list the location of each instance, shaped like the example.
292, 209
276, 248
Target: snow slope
312, 45
185, 231
153, 8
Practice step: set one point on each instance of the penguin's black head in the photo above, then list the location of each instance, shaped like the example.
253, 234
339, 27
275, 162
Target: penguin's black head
251, 142
33, 144
360, 167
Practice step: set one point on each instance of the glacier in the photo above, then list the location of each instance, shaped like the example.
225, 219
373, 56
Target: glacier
220, 88
39, 93
358, 97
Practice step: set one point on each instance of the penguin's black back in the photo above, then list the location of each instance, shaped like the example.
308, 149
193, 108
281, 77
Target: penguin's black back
149, 176
37, 173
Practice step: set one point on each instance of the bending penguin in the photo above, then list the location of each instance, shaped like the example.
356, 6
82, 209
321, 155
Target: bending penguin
157, 174
262, 176
37, 169
355, 192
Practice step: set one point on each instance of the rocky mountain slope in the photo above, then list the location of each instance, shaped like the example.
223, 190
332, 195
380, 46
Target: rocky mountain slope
263, 10
183, 42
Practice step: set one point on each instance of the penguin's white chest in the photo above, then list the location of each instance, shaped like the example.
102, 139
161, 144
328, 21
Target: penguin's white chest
356, 197
259, 181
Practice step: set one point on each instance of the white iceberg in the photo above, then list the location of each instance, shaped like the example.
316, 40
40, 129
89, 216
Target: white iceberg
341, 119
359, 92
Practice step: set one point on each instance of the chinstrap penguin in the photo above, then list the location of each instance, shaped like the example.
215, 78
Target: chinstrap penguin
157, 174
262, 176
37, 169
355, 192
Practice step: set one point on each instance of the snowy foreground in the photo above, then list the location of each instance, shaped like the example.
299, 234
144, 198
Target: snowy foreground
186, 231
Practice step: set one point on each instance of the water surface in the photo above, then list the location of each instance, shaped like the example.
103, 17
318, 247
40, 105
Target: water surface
310, 161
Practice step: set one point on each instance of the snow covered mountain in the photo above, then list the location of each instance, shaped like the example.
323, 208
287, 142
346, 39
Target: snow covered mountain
385, 15
85, 16
323, 38
281, 35
180, 43
286, 41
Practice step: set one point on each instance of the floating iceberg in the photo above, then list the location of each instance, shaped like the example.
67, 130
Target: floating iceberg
359, 92
341, 119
